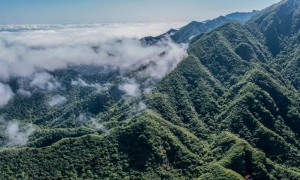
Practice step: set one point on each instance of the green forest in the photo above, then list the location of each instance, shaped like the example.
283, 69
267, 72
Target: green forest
230, 109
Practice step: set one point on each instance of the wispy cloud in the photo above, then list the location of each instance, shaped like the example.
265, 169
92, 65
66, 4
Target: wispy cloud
6, 94
82, 83
92, 123
131, 88
17, 134
57, 100
44, 81
24, 93
97, 126
137, 108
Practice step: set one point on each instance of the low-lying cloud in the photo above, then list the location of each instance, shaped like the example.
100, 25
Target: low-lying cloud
44, 81
57, 100
140, 107
82, 83
41, 81
24, 93
6, 94
35, 51
19, 60
91, 121
17, 134
23, 53
83, 118
97, 126
130, 88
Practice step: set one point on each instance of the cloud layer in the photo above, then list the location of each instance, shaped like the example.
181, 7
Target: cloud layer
25, 52
31, 52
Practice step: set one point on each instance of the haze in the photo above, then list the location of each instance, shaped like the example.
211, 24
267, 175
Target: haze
120, 11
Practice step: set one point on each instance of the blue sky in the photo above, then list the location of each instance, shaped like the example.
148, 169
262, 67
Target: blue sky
120, 11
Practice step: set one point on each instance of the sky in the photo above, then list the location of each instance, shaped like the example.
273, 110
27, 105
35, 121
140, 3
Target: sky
120, 11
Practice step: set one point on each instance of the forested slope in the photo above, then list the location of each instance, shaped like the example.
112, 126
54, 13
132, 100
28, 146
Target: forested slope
230, 109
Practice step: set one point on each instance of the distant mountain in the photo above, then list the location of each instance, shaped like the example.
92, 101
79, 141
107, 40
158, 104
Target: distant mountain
150, 40
241, 16
186, 33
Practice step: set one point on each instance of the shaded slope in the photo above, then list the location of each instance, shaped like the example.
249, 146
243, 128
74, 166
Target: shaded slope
220, 51
277, 24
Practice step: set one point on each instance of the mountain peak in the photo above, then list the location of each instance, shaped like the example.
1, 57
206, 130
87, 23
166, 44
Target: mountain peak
278, 21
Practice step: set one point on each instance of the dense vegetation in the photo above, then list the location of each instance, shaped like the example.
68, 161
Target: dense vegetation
228, 110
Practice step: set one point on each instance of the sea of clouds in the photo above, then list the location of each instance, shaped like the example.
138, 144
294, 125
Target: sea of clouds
31, 51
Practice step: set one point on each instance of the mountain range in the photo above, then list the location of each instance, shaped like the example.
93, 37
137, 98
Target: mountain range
186, 33
229, 110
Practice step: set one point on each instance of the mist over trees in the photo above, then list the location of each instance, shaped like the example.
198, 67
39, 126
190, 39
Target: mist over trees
224, 106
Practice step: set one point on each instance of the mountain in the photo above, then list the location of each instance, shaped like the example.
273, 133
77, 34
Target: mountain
242, 17
280, 33
230, 110
195, 28
186, 33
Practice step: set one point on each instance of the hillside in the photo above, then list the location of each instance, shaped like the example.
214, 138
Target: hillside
228, 110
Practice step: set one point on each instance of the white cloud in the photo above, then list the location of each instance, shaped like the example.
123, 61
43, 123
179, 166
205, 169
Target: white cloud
97, 126
30, 52
163, 63
131, 88
81, 82
6, 94
44, 81
57, 100
92, 122
38, 81
24, 92
148, 90
141, 107
137, 108
82, 118
23, 53
18, 135
81, 33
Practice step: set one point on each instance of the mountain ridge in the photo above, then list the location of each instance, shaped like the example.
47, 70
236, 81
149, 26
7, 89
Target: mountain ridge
194, 28
229, 110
